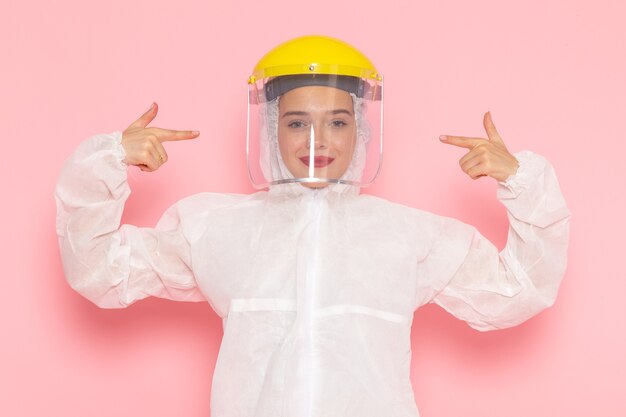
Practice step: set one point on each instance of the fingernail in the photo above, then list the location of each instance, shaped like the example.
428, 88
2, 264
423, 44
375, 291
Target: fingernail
151, 106
443, 137
195, 132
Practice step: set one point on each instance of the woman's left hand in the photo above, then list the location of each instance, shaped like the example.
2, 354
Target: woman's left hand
487, 157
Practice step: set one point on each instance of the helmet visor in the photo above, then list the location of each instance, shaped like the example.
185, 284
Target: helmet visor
316, 130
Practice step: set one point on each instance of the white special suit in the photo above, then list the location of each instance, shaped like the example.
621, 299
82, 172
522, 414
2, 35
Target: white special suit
316, 288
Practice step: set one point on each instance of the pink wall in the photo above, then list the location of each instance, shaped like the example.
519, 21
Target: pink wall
552, 72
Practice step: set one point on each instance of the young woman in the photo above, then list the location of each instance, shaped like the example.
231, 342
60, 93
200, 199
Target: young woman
316, 283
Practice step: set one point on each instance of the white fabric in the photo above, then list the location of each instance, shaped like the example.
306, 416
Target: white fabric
316, 288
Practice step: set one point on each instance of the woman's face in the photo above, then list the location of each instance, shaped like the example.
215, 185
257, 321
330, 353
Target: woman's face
316, 132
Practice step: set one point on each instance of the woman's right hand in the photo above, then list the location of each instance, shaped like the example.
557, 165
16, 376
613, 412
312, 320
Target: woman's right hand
143, 145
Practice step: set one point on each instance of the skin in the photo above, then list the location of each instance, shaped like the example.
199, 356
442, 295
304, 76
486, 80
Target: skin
486, 156
144, 145
328, 113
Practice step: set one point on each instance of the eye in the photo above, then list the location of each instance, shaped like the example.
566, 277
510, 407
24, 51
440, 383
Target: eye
296, 124
338, 123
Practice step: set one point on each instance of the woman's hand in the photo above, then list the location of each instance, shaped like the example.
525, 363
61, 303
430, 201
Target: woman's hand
487, 157
143, 145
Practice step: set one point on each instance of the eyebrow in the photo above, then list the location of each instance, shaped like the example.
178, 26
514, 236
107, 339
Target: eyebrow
303, 113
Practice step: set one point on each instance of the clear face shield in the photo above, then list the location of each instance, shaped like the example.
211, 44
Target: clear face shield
314, 129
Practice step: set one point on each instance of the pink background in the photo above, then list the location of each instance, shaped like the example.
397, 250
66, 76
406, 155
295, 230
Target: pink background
552, 72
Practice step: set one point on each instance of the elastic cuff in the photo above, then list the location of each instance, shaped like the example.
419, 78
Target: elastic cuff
120, 153
530, 167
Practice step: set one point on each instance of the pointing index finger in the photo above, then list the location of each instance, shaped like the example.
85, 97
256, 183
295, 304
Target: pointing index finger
461, 141
165, 135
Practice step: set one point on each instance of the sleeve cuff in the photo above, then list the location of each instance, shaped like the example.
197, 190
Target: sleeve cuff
120, 153
531, 166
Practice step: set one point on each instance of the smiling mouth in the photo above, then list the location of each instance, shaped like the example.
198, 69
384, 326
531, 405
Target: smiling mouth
318, 161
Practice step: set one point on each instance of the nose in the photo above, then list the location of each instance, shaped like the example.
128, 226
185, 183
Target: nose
317, 139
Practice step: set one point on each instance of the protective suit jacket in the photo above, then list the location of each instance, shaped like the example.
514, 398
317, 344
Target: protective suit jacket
316, 288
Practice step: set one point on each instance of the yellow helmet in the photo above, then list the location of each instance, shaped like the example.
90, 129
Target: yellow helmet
328, 136
315, 60
314, 55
